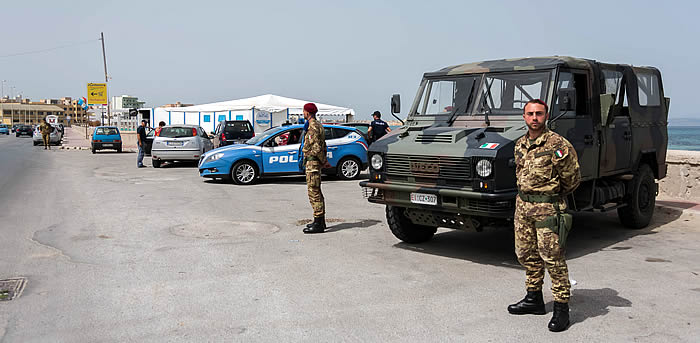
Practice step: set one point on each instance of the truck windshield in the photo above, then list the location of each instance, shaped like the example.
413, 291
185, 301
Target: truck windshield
507, 93
443, 96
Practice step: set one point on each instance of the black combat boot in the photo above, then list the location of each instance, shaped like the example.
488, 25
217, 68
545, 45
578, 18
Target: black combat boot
531, 304
560, 318
318, 226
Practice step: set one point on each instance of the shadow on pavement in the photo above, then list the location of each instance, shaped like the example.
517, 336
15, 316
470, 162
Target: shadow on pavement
591, 303
592, 232
354, 225
179, 164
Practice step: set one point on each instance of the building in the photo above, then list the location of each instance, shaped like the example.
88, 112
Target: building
30, 114
178, 104
126, 102
73, 112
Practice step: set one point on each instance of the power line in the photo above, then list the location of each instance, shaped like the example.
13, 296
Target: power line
50, 49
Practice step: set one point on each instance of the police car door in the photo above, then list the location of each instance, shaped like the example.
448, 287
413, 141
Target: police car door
280, 157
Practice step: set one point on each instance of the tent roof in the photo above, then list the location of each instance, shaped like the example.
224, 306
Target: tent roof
268, 102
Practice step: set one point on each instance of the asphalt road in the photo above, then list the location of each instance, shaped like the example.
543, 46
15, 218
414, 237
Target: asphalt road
115, 253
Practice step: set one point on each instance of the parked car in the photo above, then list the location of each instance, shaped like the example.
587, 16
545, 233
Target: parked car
179, 143
232, 132
14, 127
277, 151
23, 130
4, 129
54, 137
106, 137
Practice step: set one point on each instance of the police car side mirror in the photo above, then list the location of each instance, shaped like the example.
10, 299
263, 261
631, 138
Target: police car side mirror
567, 99
396, 103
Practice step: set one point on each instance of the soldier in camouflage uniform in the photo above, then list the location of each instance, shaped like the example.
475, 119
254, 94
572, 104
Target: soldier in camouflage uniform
547, 170
45, 129
314, 150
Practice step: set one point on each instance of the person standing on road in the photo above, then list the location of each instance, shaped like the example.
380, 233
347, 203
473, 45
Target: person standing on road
45, 128
141, 139
547, 170
159, 128
314, 150
378, 128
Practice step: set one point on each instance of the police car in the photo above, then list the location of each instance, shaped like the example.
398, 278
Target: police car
277, 151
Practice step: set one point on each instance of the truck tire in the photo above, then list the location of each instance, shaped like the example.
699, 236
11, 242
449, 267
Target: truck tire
640, 201
404, 229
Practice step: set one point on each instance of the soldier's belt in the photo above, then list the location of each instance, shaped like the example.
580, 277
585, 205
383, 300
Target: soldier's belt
312, 158
539, 198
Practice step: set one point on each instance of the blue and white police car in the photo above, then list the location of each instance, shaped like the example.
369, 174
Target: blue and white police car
277, 151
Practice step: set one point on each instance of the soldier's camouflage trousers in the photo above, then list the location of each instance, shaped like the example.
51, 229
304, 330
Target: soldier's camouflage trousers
46, 138
313, 184
538, 248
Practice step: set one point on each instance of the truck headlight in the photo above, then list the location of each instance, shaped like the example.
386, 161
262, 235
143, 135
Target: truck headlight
484, 168
377, 161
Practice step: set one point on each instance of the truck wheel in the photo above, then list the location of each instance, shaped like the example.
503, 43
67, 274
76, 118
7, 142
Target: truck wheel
641, 201
404, 229
155, 162
348, 168
244, 173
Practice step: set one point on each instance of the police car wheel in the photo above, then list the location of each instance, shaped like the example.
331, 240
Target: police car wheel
641, 200
348, 168
404, 229
243, 173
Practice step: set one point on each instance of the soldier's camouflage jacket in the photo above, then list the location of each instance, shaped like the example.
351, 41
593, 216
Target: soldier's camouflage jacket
315, 142
45, 128
547, 166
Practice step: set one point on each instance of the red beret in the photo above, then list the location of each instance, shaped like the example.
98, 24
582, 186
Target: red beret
311, 108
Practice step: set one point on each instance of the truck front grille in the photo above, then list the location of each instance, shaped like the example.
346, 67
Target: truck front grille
433, 167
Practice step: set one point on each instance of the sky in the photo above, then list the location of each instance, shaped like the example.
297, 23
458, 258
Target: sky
347, 53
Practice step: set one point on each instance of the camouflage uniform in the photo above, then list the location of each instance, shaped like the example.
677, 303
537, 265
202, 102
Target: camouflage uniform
314, 150
546, 166
46, 129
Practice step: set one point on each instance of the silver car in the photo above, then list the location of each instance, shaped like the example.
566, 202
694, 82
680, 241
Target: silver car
54, 138
180, 143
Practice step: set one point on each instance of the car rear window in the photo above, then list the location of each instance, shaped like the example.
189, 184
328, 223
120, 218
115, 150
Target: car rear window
107, 131
177, 132
238, 126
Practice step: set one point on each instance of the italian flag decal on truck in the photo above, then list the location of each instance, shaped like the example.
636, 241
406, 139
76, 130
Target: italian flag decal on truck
488, 146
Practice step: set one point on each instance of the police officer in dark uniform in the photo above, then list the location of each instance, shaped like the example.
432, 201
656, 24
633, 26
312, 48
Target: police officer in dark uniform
378, 128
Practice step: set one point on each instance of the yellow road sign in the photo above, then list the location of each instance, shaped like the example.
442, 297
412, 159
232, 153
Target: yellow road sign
97, 93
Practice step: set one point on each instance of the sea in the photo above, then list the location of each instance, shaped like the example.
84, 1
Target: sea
684, 138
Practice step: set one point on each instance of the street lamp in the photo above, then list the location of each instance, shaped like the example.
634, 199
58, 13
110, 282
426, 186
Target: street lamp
2, 95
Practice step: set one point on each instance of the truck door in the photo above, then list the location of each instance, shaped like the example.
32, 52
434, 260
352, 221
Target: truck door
616, 146
577, 125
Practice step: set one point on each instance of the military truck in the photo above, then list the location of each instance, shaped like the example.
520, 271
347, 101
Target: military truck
452, 164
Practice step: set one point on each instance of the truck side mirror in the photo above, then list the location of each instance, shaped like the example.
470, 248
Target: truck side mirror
396, 103
606, 103
567, 99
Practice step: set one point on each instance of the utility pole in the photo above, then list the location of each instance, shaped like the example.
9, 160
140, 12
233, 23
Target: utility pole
104, 59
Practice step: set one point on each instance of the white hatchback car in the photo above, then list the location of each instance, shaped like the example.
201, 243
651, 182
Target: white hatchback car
54, 138
180, 143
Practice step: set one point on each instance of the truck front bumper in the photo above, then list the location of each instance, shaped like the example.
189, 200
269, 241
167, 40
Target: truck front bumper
495, 205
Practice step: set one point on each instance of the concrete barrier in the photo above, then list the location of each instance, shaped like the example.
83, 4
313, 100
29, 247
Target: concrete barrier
682, 180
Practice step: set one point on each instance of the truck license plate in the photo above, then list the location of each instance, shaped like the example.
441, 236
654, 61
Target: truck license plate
422, 198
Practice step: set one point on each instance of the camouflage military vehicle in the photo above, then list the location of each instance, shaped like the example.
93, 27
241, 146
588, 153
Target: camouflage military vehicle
452, 164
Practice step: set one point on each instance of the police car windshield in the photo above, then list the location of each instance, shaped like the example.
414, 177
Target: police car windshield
507, 93
263, 136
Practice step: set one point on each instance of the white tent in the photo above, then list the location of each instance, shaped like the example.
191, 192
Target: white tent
262, 111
